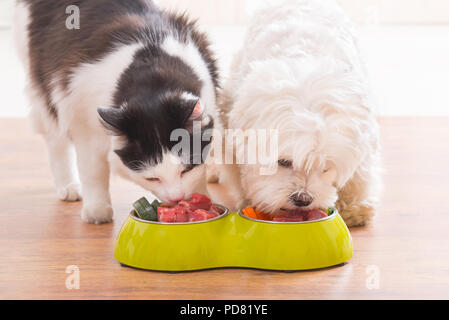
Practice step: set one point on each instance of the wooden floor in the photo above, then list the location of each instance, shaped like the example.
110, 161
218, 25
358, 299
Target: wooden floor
407, 246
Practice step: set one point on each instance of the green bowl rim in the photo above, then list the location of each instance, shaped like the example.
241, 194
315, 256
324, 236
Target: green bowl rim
332, 216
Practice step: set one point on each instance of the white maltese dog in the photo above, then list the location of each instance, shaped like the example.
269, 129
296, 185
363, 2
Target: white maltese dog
300, 73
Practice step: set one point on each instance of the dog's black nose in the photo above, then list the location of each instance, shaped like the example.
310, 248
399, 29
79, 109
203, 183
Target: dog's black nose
302, 199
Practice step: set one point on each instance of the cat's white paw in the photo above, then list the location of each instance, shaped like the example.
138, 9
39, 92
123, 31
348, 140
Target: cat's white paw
71, 192
97, 213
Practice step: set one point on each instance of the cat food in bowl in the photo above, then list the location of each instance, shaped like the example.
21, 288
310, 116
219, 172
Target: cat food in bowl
289, 215
199, 208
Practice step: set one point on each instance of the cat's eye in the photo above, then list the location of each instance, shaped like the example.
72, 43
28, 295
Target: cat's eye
153, 179
326, 170
285, 163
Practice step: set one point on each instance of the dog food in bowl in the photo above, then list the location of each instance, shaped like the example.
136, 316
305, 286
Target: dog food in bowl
199, 208
288, 215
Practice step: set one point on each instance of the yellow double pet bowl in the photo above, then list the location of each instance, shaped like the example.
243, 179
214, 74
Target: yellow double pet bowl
233, 240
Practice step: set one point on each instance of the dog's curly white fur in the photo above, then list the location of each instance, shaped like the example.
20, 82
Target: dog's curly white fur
300, 72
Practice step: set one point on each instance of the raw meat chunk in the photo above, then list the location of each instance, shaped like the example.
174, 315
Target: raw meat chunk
315, 215
166, 214
200, 201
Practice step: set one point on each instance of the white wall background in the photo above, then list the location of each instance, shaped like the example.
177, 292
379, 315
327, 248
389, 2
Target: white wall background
6, 9
361, 11
405, 42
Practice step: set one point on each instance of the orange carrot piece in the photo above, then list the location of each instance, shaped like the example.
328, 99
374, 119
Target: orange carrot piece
256, 214
249, 212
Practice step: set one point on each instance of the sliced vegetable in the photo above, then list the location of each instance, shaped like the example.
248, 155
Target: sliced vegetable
249, 212
145, 210
155, 204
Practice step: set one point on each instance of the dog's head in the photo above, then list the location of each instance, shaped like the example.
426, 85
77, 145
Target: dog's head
322, 133
147, 135
299, 182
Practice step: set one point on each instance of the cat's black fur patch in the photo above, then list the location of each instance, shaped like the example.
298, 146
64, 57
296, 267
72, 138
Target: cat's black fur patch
149, 91
148, 138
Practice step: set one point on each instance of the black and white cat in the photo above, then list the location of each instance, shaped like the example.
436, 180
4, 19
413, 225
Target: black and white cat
150, 71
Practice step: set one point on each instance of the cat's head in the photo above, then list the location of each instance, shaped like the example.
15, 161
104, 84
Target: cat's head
158, 143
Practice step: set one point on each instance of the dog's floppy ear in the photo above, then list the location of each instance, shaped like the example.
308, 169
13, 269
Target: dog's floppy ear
111, 118
197, 111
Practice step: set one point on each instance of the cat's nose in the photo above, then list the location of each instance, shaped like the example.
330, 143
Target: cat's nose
302, 199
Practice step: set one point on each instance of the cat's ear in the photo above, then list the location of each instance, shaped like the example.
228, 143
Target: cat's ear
198, 111
111, 118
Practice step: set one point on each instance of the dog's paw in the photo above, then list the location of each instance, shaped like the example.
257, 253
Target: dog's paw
98, 213
357, 215
70, 193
